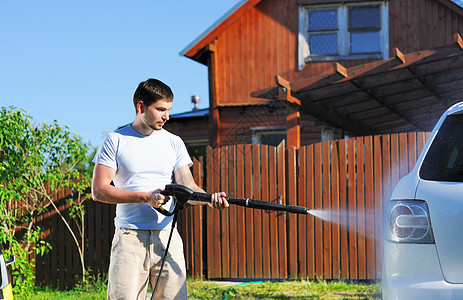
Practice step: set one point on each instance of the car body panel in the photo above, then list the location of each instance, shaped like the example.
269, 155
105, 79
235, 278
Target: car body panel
447, 224
415, 276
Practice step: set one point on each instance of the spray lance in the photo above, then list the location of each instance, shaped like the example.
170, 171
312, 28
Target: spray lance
183, 194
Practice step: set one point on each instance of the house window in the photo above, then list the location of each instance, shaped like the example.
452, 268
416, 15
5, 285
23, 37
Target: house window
196, 146
272, 136
343, 31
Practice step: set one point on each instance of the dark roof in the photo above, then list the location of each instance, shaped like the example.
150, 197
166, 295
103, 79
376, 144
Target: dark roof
404, 93
191, 114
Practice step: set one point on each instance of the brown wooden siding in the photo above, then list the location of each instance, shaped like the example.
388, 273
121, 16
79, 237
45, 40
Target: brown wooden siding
263, 43
421, 24
189, 128
236, 123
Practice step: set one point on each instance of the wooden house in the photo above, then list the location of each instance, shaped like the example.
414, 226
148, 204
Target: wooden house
317, 70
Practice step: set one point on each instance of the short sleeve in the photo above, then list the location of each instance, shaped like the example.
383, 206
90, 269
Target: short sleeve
106, 154
183, 158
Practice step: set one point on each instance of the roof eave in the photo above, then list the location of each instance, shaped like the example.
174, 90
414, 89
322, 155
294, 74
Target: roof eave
453, 6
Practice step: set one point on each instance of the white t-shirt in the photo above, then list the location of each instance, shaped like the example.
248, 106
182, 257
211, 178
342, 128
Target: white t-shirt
142, 164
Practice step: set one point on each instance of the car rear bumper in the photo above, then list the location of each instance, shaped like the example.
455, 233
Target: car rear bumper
412, 271
421, 288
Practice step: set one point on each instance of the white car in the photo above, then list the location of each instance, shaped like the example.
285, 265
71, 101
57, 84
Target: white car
423, 228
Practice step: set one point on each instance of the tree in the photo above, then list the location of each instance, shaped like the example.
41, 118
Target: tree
36, 162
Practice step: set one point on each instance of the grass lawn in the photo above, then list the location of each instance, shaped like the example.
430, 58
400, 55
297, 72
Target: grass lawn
237, 290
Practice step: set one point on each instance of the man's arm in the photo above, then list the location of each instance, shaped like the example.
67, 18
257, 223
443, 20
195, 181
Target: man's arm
103, 191
184, 177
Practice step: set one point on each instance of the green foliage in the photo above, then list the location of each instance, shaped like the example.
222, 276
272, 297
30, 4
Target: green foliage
96, 289
36, 162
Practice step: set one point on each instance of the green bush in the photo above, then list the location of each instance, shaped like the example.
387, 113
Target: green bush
36, 162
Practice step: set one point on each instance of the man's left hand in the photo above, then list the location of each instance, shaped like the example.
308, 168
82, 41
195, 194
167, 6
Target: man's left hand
219, 200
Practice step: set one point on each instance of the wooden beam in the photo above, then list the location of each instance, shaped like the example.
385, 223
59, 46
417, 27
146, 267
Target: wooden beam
293, 126
282, 82
211, 47
214, 116
340, 69
284, 92
458, 40
293, 116
399, 55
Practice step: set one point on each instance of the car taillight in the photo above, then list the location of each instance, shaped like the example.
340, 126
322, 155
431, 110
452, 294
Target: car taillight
409, 222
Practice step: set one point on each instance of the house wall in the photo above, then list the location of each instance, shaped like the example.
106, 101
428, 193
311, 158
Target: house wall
189, 127
193, 131
237, 124
263, 43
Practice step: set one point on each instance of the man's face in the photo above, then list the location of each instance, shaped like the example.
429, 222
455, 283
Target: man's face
156, 114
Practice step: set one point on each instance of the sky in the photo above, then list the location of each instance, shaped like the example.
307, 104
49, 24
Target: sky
79, 62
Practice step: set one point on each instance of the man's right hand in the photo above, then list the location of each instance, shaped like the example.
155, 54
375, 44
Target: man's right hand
156, 199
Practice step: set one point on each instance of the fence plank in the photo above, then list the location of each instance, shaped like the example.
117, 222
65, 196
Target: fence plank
249, 214
378, 202
318, 204
352, 194
224, 215
292, 219
335, 206
412, 149
213, 266
361, 248
257, 229
91, 251
70, 246
302, 220
197, 230
420, 141
343, 207
265, 214
395, 161
47, 257
234, 246
369, 209
273, 216
241, 213
282, 246
403, 154
326, 195
98, 238
310, 184
387, 171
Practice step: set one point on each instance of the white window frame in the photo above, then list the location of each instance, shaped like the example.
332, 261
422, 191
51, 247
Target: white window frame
258, 132
304, 55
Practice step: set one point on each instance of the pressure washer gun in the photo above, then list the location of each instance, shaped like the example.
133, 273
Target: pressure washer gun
182, 194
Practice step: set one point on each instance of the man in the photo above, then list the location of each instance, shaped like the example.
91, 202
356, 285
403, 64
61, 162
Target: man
140, 159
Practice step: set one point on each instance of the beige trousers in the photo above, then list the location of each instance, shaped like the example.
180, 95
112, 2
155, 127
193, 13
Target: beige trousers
136, 257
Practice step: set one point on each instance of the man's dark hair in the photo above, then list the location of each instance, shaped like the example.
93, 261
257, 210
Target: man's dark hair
152, 90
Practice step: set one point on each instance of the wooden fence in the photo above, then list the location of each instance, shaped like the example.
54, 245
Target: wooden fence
346, 184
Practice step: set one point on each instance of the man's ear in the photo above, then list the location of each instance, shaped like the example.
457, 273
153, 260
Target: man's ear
140, 107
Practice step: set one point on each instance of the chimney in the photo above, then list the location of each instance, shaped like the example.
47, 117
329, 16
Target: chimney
195, 101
